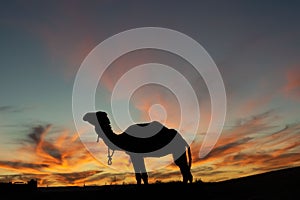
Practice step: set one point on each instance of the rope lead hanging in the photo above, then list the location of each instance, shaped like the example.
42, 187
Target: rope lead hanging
109, 156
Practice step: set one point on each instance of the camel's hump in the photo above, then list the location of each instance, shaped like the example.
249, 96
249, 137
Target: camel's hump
144, 130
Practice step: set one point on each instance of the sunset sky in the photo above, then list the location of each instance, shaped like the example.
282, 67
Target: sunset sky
254, 44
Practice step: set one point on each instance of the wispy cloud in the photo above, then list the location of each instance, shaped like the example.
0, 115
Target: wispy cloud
12, 109
253, 146
47, 152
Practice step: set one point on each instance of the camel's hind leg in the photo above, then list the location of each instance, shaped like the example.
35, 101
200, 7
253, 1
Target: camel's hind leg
185, 170
139, 169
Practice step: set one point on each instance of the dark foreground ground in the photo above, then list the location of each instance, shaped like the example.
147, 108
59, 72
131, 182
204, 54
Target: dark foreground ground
281, 184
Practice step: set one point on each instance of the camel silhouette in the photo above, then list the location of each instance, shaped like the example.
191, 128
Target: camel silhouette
144, 140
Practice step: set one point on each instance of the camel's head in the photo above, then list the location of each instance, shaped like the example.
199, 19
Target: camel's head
96, 118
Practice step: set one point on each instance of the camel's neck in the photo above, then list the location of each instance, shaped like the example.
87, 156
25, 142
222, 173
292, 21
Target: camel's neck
109, 137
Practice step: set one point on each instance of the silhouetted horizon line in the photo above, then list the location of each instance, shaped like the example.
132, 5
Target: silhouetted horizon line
196, 181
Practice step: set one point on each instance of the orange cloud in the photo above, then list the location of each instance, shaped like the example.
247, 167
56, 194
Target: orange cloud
43, 156
253, 104
253, 146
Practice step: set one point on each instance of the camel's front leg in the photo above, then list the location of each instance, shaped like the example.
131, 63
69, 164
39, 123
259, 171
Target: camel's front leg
139, 169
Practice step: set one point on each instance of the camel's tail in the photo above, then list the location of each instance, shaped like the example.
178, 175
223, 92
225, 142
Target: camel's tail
189, 156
